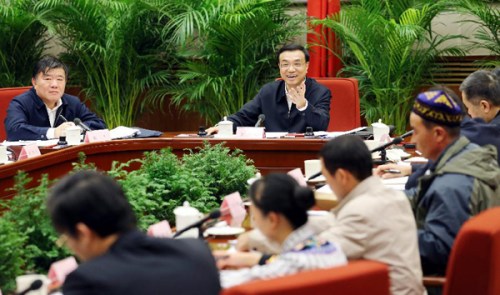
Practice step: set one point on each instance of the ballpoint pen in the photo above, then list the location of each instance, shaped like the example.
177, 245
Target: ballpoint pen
62, 117
392, 171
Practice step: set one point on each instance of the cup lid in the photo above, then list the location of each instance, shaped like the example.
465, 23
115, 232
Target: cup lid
185, 209
379, 124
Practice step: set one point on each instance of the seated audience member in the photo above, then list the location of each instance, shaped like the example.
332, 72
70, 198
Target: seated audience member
481, 95
279, 210
290, 104
96, 222
461, 179
41, 112
370, 221
485, 88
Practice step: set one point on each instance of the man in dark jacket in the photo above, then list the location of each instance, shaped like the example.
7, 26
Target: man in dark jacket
96, 222
462, 179
45, 111
290, 104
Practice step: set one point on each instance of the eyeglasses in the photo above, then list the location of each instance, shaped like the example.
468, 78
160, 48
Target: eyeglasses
296, 65
62, 240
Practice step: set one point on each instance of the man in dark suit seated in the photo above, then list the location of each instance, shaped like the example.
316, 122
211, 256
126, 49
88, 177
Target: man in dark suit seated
41, 112
290, 104
96, 222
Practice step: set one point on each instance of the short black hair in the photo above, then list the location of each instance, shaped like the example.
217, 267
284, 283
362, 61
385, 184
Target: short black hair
293, 47
482, 85
47, 63
348, 152
92, 198
282, 194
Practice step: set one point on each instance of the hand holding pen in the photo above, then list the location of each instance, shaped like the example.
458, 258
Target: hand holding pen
61, 129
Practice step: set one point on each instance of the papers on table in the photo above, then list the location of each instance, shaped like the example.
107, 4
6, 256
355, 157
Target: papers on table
123, 132
39, 143
397, 183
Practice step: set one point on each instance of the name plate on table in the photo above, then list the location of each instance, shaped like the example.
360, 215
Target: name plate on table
160, 230
60, 269
97, 136
29, 151
298, 176
233, 210
251, 132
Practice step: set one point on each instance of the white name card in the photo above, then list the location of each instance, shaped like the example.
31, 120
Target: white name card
29, 151
298, 176
97, 136
251, 132
60, 269
234, 205
160, 230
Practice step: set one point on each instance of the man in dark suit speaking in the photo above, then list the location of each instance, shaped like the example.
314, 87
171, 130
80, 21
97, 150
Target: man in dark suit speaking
96, 222
290, 104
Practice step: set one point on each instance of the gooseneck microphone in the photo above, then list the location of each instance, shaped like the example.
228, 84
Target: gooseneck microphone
396, 140
260, 121
79, 122
212, 215
35, 285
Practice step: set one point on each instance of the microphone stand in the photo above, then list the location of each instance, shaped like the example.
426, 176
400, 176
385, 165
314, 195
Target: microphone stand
198, 224
383, 152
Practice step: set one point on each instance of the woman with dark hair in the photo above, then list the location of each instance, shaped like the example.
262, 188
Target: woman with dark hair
279, 211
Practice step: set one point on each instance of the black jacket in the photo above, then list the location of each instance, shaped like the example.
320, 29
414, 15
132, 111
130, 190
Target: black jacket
271, 101
138, 264
27, 117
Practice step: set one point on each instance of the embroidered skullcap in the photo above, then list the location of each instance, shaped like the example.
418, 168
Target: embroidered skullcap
438, 107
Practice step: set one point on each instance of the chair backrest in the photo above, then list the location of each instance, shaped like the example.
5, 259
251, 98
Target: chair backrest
474, 265
6, 95
357, 277
344, 107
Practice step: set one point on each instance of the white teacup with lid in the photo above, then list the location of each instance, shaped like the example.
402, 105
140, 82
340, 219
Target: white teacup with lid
380, 131
225, 127
186, 215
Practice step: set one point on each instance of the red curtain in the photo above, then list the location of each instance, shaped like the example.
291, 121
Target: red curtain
323, 63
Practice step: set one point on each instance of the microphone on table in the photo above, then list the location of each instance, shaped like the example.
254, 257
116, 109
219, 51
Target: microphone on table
396, 140
212, 215
79, 122
381, 149
260, 121
35, 285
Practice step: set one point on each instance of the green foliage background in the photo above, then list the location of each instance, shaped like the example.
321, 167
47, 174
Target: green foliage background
162, 183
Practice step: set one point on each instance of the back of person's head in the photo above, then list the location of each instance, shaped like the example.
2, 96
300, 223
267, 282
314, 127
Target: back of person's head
292, 47
482, 85
350, 153
91, 198
437, 108
280, 193
48, 63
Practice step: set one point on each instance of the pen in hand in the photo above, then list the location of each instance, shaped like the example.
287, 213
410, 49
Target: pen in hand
62, 117
392, 171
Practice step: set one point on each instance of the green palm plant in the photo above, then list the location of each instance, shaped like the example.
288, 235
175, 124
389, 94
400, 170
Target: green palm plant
392, 51
227, 49
22, 43
115, 50
488, 20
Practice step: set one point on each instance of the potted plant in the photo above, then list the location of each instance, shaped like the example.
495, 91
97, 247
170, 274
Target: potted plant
22, 43
487, 17
390, 48
115, 52
227, 51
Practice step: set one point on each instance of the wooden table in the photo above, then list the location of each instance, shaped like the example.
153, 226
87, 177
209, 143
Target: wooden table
269, 155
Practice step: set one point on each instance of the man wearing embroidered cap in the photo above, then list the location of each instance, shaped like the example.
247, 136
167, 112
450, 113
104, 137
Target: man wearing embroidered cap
462, 178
